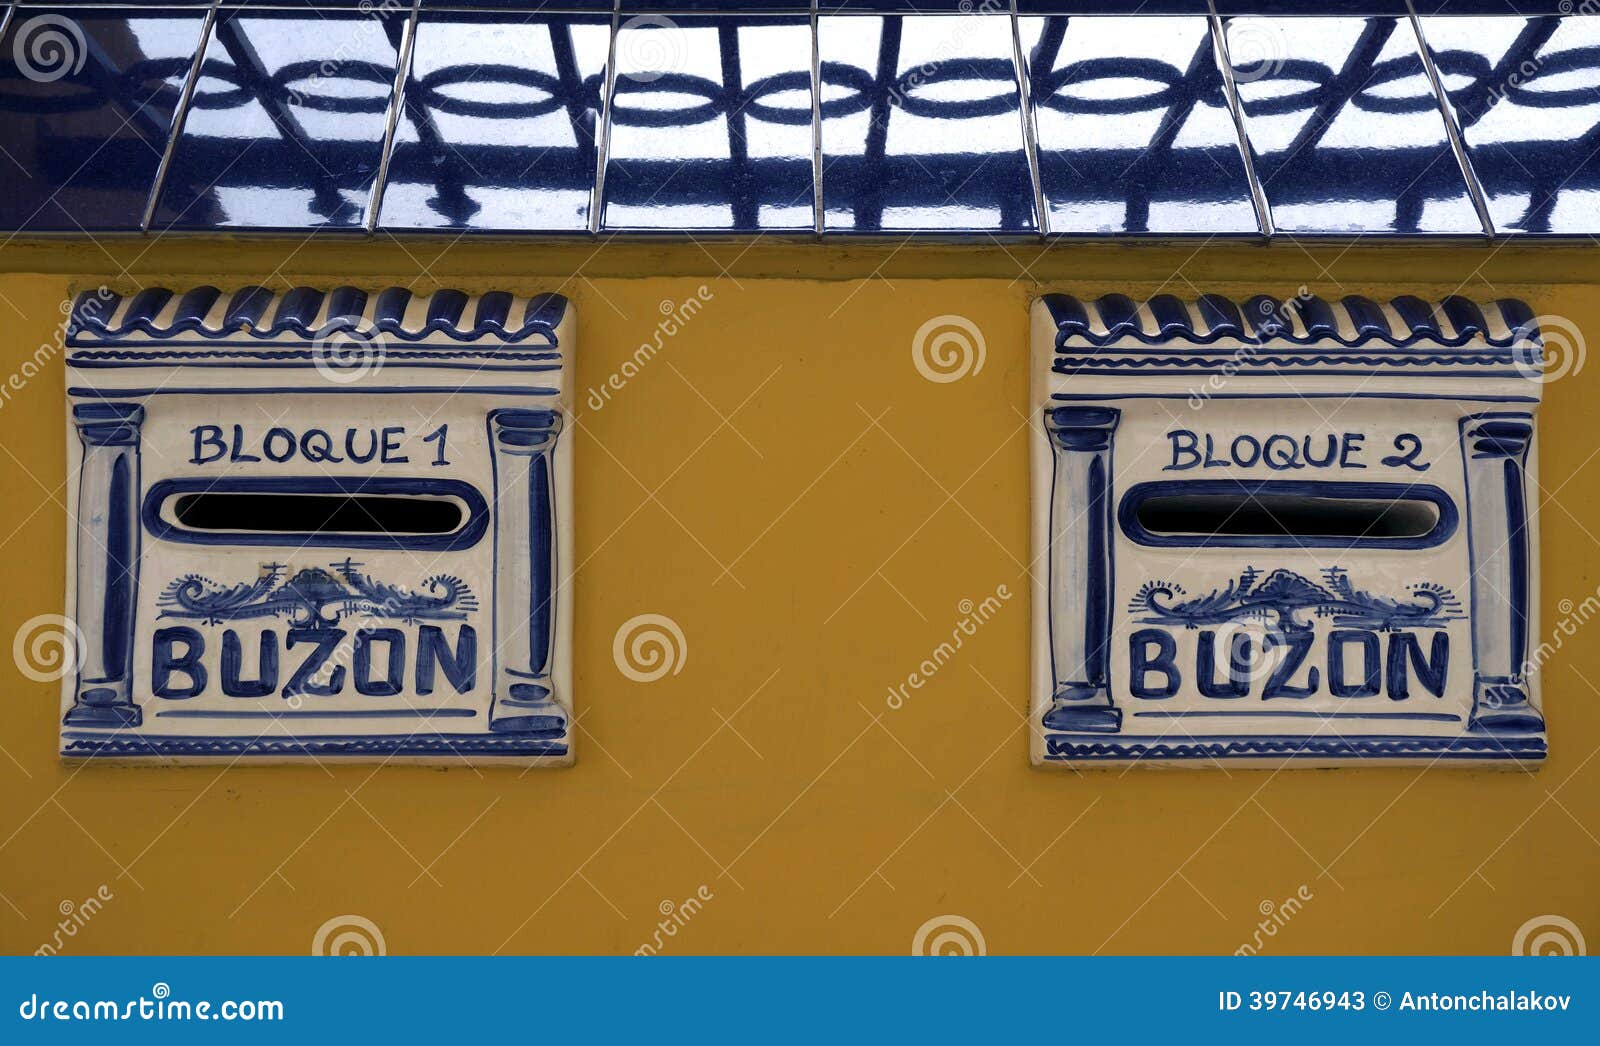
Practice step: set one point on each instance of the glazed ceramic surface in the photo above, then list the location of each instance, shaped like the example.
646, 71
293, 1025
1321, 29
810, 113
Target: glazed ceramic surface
83, 145
1345, 128
319, 526
497, 124
711, 126
1526, 95
921, 127
286, 125
865, 118
1134, 131
1292, 532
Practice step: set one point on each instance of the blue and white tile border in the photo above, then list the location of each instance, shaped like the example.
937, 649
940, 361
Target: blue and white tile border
151, 379
1430, 404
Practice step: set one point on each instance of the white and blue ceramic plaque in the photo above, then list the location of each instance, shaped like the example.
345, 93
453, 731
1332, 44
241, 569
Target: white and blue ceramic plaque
319, 525
1285, 533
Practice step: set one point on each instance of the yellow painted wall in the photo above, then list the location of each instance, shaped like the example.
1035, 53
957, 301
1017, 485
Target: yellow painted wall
783, 484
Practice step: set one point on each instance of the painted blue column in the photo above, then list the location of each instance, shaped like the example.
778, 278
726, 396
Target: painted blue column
1080, 569
523, 444
1495, 447
107, 563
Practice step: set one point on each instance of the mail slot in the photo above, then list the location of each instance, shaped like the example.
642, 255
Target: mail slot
1273, 532
321, 525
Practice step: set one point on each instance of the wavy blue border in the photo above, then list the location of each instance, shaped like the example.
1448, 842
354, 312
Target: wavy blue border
79, 744
266, 315
1264, 318
1089, 747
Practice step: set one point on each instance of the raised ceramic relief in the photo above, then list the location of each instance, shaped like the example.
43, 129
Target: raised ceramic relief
1284, 532
320, 526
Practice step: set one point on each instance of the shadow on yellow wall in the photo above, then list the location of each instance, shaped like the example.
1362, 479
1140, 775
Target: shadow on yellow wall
781, 482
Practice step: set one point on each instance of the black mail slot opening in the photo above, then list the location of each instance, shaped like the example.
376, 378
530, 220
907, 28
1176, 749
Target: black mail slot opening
1272, 514
328, 511
1283, 515
317, 513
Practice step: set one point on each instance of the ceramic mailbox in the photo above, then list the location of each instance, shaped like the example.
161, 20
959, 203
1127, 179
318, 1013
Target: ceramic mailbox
1271, 532
319, 525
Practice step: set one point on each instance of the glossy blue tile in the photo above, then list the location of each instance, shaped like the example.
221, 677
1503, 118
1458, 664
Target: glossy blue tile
87, 101
286, 126
1526, 94
672, 8
532, 8
711, 126
1347, 133
498, 123
1025, 7
827, 7
1114, 7
1497, 8
921, 129
1134, 131
1344, 8
364, 5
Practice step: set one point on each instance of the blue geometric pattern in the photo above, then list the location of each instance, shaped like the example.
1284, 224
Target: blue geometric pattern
830, 118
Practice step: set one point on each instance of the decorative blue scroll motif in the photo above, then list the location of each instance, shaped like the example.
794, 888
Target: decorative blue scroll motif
1279, 597
316, 598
